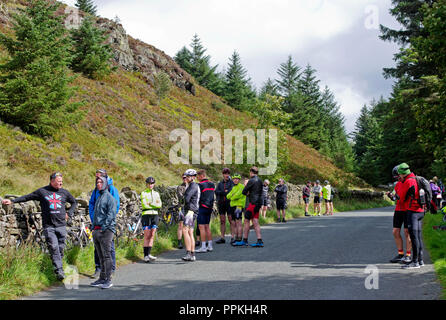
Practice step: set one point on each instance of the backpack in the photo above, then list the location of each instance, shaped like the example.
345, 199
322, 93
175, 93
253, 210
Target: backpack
425, 192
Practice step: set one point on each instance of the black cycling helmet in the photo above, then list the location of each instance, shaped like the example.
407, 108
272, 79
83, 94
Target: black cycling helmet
150, 180
395, 172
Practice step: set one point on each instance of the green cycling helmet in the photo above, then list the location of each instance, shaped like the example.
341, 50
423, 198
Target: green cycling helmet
236, 176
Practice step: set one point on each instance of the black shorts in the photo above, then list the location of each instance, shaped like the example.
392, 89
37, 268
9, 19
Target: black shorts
265, 202
224, 208
281, 204
306, 200
237, 214
149, 221
204, 215
317, 199
327, 200
399, 219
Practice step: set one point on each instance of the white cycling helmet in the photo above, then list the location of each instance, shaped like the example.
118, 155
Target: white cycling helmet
190, 172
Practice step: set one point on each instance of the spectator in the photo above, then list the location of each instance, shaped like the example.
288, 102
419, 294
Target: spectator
281, 200
306, 193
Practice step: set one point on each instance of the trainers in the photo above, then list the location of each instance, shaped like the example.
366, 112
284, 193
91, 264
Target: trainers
210, 249
306, 214
97, 283
398, 258
187, 257
202, 249
197, 243
421, 263
278, 220
192, 258
412, 265
406, 260
257, 244
107, 284
60, 276
283, 220
221, 240
146, 259
152, 258
180, 245
240, 243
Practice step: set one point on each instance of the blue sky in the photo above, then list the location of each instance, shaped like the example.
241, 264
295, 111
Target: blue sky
338, 38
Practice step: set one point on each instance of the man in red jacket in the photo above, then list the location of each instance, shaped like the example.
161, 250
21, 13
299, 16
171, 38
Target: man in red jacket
415, 214
400, 219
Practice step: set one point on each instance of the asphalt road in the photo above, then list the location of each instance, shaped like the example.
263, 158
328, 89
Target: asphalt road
307, 258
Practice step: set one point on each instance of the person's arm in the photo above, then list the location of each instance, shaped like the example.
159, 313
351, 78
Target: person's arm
91, 205
35, 195
157, 204
71, 200
111, 212
115, 193
247, 188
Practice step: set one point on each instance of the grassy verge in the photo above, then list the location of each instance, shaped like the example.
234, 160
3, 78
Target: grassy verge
26, 270
435, 243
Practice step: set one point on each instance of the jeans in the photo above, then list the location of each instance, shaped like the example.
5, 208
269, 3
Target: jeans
55, 239
113, 255
414, 224
102, 243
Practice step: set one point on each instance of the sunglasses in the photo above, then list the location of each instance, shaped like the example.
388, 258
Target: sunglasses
55, 175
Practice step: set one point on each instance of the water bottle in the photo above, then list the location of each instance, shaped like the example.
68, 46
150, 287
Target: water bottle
422, 197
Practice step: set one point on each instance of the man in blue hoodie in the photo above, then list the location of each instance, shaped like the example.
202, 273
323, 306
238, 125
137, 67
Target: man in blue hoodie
94, 196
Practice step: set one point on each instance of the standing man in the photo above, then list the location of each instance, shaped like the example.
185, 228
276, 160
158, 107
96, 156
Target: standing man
281, 199
266, 200
326, 193
54, 217
207, 189
400, 219
223, 204
191, 206
151, 203
104, 228
94, 196
180, 193
238, 202
317, 190
253, 191
415, 214
306, 193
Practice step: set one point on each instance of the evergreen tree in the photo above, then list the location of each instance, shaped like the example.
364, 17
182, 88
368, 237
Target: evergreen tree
238, 91
35, 82
268, 88
183, 58
86, 6
91, 55
200, 63
287, 84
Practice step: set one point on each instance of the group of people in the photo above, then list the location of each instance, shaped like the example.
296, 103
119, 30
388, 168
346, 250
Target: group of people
320, 193
409, 212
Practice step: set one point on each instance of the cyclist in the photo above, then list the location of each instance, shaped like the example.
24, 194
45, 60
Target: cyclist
180, 193
317, 190
326, 194
266, 200
253, 191
104, 228
151, 203
191, 206
223, 204
415, 214
281, 199
238, 201
207, 189
94, 196
54, 217
306, 193
400, 219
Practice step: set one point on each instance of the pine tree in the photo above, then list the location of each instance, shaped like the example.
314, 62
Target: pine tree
86, 6
237, 87
287, 84
35, 82
183, 57
91, 55
268, 88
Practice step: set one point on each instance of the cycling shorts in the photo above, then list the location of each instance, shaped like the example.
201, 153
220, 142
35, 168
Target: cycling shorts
306, 200
280, 204
252, 212
224, 208
190, 221
204, 215
400, 219
237, 213
317, 199
149, 221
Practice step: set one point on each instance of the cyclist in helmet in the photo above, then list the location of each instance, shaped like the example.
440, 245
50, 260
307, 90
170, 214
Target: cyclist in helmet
180, 193
191, 206
400, 219
238, 201
151, 203
223, 204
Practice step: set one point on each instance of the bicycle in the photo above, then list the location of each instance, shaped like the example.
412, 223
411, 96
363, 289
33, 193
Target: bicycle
80, 236
134, 228
171, 216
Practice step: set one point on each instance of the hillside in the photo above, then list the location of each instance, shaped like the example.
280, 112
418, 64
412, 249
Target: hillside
125, 131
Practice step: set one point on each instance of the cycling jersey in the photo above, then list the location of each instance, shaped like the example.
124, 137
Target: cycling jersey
150, 201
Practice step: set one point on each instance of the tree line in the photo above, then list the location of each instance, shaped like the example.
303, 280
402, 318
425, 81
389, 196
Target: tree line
294, 101
410, 125
42, 60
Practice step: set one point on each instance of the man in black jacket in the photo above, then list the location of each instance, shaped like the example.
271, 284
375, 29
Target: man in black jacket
223, 204
254, 192
207, 189
54, 217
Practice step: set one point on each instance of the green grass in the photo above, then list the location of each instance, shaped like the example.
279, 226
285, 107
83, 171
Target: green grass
26, 270
435, 243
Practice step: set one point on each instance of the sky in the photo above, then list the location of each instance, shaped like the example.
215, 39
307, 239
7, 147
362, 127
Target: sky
338, 38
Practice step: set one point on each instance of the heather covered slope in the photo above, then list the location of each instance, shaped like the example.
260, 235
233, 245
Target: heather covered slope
125, 131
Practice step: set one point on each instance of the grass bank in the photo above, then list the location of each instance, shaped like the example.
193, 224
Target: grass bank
27, 270
435, 243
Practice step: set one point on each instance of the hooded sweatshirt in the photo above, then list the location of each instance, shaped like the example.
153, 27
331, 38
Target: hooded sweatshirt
105, 209
95, 195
